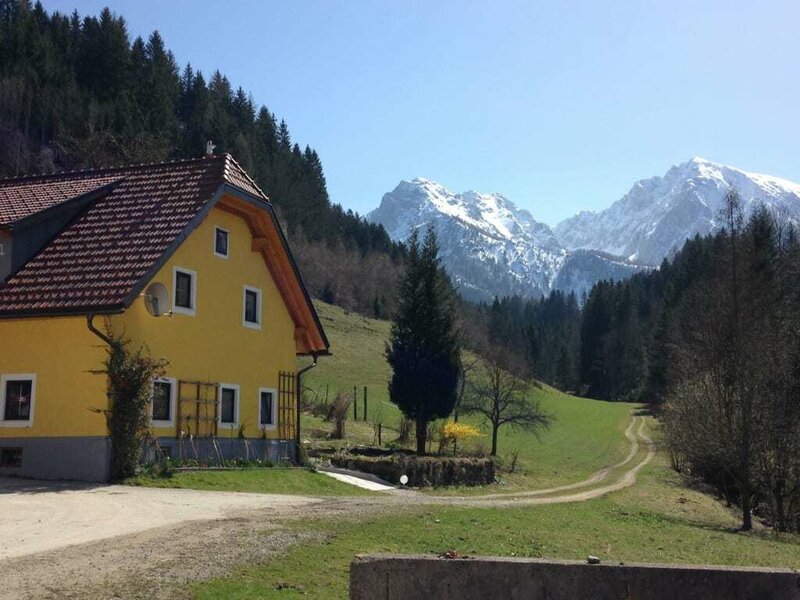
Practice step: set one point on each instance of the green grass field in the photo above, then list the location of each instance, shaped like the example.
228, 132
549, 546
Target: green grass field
586, 435
657, 520
275, 480
357, 346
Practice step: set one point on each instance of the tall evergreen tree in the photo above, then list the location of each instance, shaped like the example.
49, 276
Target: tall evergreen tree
424, 350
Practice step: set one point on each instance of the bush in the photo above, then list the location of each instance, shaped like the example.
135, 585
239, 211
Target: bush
338, 413
455, 433
422, 471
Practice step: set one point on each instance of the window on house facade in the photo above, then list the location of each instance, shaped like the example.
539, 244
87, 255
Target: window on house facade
228, 404
17, 397
185, 291
252, 308
163, 401
267, 408
221, 242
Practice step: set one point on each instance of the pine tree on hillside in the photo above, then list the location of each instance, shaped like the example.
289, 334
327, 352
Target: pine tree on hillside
423, 350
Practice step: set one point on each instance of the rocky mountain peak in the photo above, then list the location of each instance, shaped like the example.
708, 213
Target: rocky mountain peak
488, 245
658, 214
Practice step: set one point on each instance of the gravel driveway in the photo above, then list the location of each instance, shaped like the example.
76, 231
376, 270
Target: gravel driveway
38, 516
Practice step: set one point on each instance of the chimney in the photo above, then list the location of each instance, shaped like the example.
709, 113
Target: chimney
210, 149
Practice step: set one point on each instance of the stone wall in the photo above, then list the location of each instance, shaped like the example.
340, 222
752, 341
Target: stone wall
390, 577
422, 471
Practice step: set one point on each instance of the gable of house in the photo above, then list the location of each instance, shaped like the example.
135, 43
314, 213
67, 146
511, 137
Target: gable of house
138, 217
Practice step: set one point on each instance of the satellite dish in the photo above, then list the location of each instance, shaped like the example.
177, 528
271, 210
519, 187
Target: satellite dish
156, 299
403, 479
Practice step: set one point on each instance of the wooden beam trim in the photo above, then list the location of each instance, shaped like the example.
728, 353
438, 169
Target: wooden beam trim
259, 243
266, 241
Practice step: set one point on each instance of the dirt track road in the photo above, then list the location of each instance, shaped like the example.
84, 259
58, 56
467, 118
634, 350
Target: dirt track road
72, 541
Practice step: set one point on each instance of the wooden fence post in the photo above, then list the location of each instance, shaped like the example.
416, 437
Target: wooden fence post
380, 431
355, 403
365, 403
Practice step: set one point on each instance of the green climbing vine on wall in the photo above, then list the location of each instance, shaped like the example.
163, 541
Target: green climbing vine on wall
129, 388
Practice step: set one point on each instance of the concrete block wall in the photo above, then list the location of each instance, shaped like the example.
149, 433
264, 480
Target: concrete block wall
75, 458
392, 577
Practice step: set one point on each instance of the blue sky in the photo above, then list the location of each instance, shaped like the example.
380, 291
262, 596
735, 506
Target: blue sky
559, 105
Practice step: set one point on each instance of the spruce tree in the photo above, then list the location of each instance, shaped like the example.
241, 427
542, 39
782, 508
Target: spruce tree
423, 350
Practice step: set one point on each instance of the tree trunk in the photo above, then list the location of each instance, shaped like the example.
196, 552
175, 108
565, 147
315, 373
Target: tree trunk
495, 428
422, 435
747, 518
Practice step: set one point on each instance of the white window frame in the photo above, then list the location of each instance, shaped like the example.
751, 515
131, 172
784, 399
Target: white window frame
214, 247
259, 296
16, 377
173, 390
274, 424
181, 310
236, 405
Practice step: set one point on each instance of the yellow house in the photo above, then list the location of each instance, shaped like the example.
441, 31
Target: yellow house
187, 258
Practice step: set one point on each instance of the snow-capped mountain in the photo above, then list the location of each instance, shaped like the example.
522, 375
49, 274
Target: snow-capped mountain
489, 246
657, 215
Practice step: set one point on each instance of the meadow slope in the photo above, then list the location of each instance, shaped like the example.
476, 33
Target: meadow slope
586, 435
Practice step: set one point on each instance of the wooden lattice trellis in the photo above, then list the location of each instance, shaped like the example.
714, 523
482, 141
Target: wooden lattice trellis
197, 408
287, 405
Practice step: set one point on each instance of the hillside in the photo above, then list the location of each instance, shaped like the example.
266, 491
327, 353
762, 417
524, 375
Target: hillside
587, 435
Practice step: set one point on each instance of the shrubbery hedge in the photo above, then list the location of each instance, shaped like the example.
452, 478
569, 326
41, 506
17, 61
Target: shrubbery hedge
422, 471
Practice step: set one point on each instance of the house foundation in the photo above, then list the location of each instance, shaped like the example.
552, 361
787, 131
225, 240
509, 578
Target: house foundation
76, 458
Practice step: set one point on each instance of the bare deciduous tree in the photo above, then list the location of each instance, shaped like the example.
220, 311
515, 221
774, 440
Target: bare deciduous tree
733, 417
466, 366
500, 395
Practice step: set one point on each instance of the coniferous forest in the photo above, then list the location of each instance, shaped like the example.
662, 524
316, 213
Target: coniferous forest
76, 92
623, 341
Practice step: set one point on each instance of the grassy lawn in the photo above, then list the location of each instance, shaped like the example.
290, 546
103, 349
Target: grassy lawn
275, 480
657, 520
357, 346
587, 435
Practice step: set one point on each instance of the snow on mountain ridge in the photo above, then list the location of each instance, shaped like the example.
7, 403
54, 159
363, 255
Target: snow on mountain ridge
493, 214
488, 245
658, 214
770, 183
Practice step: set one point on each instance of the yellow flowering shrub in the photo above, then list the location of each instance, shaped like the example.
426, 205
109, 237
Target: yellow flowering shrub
455, 433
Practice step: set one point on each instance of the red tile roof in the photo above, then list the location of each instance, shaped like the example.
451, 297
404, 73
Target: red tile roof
98, 259
21, 198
